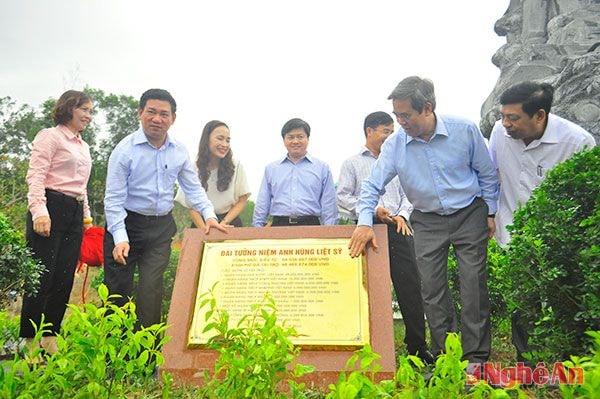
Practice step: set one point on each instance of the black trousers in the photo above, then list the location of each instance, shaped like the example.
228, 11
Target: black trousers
149, 250
407, 285
59, 254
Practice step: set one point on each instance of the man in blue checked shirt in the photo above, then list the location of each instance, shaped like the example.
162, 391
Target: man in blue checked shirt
298, 189
447, 174
141, 175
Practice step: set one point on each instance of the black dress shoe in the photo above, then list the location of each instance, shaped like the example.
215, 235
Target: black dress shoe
425, 355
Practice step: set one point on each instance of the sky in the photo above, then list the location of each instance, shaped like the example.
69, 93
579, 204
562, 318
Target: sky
255, 64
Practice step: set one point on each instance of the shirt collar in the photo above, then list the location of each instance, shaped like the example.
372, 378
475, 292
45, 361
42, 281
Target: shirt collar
67, 132
366, 152
551, 132
139, 138
307, 157
440, 129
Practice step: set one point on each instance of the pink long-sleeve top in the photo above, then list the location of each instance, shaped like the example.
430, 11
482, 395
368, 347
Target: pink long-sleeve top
60, 161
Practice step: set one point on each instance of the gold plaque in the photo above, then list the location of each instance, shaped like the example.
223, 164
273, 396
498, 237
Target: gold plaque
317, 287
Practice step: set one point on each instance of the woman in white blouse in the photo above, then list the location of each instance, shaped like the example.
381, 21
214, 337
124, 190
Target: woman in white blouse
222, 177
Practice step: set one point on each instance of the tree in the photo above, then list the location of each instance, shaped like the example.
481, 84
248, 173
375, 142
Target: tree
18, 126
115, 118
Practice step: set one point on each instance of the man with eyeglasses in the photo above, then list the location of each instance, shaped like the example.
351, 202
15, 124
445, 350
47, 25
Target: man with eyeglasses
447, 174
298, 189
393, 209
141, 175
524, 144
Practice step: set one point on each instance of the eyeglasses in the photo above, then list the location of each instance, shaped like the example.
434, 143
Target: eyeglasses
295, 136
405, 116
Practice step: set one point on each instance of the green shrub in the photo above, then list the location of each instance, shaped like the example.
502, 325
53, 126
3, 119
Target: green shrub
591, 369
449, 379
253, 356
100, 355
9, 334
19, 271
553, 265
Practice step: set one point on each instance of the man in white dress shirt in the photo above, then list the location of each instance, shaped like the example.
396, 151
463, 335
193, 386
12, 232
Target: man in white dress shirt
526, 143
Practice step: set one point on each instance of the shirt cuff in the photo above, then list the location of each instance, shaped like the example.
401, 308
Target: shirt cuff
120, 236
404, 214
492, 207
365, 219
207, 214
39, 211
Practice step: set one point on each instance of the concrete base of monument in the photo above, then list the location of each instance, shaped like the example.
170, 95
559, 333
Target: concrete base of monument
187, 362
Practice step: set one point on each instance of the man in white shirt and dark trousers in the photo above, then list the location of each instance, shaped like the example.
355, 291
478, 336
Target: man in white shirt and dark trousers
393, 209
526, 143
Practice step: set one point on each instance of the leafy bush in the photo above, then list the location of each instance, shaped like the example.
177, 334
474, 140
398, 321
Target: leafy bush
9, 334
19, 271
553, 265
253, 356
100, 355
591, 369
449, 379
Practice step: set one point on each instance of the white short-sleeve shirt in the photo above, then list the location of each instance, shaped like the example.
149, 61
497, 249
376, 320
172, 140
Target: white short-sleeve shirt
222, 200
521, 169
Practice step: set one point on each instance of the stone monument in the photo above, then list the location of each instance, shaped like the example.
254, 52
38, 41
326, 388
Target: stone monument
552, 41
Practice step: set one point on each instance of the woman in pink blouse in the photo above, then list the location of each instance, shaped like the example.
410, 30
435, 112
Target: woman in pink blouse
58, 174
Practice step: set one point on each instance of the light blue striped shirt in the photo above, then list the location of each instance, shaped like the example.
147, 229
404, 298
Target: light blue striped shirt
357, 168
441, 176
304, 188
141, 178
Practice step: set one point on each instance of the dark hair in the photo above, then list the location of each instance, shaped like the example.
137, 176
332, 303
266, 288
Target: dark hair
62, 112
375, 119
295, 123
226, 167
418, 90
158, 94
532, 96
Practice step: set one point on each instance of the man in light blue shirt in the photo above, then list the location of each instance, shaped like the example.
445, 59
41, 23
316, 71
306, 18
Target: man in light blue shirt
141, 175
298, 189
393, 210
447, 174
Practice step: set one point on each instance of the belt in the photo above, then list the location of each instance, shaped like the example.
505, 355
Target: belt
58, 194
136, 215
295, 219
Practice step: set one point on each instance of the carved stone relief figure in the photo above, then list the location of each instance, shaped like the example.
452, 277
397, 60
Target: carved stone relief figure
550, 41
